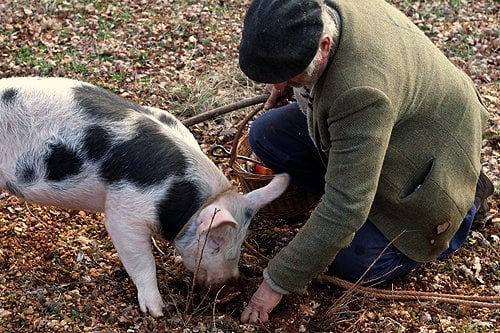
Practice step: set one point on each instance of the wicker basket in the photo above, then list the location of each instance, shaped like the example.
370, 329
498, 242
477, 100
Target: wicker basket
292, 203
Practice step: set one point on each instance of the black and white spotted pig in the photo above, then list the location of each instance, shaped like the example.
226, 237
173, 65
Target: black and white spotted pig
71, 144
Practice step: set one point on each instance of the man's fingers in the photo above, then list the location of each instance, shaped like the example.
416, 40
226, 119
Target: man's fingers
271, 100
261, 304
245, 315
254, 313
250, 315
254, 316
263, 317
274, 95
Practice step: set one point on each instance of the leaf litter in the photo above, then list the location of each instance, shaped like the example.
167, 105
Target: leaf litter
59, 270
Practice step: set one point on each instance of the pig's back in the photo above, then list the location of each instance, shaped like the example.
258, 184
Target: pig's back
66, 142
32, 111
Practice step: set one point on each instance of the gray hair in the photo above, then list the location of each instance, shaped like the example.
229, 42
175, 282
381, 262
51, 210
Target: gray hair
331, 27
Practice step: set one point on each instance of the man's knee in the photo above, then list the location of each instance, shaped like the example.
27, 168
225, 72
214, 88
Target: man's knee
256, 132
371, 257
383, 267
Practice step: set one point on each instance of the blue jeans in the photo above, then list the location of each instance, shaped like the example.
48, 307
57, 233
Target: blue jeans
281, 139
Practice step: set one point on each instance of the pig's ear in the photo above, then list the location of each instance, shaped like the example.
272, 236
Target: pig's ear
214, 218
260, 197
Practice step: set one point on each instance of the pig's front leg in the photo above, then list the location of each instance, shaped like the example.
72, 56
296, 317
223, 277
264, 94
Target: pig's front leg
131, 237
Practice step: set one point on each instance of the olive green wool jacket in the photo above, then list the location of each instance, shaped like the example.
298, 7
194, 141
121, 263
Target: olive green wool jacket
399, 128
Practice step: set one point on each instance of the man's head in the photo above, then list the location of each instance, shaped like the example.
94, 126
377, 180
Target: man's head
280, 39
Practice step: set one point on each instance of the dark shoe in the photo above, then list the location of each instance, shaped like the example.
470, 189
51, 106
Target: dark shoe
484, 189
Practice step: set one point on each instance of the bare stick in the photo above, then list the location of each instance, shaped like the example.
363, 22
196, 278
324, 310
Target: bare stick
224, 109
195, 274
156, 245
473, 300
344, 299
356, 288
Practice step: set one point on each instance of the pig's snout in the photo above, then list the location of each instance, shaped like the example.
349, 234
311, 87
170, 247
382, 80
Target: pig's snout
218, 281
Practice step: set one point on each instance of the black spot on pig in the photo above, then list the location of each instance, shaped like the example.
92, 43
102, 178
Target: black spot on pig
96, 142
27, 170
101, 104
249, 213
25, 174
146, 159
9, 95
181, 201
167, 119
62, 162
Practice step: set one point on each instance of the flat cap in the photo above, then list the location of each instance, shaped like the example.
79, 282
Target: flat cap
280, 38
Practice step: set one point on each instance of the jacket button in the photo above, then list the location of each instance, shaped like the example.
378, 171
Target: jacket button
442, 227
432, 241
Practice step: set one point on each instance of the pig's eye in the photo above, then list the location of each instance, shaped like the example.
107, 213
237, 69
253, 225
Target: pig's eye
214, 244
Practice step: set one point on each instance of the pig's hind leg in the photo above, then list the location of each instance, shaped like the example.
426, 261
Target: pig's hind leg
131, 235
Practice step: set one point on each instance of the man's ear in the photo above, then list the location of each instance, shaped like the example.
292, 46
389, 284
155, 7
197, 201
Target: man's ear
325, 45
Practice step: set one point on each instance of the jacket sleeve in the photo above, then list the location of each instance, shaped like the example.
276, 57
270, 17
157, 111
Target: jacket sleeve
357, 128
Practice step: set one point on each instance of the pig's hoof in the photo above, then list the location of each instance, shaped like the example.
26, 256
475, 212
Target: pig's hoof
155, 311
153, 305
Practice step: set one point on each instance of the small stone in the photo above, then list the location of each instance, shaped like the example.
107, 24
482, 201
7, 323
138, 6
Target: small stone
425, 317
4, 313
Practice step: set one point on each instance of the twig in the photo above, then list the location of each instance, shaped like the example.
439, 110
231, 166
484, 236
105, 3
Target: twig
213, 308
353, 287
155, 244
255, 252
32, 214
473, 300
195, 274
224, 109
356, 288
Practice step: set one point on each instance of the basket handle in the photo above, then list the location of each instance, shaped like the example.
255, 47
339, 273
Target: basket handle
221, 152
241, 127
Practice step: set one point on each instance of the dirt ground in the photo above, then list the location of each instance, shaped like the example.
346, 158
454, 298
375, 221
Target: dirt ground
59, 271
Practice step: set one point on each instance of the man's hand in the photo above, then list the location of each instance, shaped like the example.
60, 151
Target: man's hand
276, 92
261, 304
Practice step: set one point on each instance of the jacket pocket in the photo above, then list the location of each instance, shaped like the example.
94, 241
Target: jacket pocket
416, 182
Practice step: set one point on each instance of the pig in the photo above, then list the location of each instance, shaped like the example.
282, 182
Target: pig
72, 144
